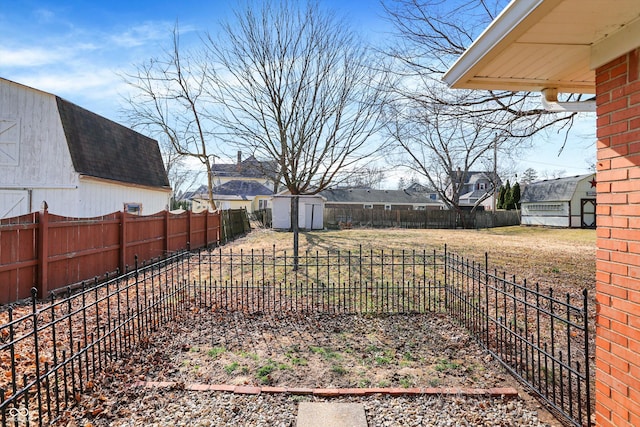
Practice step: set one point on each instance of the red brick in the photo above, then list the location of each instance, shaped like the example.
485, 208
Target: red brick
602, 98
603, 389
626, 161
611, 267
625, 210
613, 175
198, 387
274, 390
352, 391
613, 129
624, 138
613, 105
625, 258
612, 83
603, 120
373, 390
611, 153
602, 344
613, 314
612, 337
222, 387
613, 198
326, 392
604, 165
626, 114
396, 391
300, 390
632, 74
611, 64
241, 389
618, 70
603, 77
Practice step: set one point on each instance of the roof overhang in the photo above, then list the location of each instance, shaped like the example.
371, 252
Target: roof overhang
539, 44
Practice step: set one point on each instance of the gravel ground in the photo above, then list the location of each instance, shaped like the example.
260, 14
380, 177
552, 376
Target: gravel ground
199, 350
152, 407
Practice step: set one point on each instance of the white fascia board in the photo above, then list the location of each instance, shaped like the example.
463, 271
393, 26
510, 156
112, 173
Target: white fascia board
503, 25
617, 44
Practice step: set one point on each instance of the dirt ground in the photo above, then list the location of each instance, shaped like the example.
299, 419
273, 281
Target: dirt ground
352, 351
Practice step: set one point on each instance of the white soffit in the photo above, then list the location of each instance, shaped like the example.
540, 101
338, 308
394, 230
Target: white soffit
537, 44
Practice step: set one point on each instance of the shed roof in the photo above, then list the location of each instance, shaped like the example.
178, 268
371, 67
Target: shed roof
363, 195
553, 190
105, 149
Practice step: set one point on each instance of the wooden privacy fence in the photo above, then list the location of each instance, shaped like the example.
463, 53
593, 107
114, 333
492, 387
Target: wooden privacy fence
358, 217
48, 251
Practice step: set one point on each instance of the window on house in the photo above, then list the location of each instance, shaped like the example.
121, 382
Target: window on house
419, 208
262, 204
387, 207
482, 186
133, 208
367, 206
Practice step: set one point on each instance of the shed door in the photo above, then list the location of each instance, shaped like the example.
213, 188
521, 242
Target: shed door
588, 213
13, 203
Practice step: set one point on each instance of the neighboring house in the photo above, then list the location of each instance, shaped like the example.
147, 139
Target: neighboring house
310, 211
562, 202
234, 194
81, 164
476, 185
585, 47
250, 169
364, 198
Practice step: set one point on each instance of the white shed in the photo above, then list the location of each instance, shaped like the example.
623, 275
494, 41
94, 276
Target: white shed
81, 164
562, 202
310, 212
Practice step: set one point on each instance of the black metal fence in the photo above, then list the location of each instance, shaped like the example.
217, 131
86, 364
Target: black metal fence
50, 351
541, 338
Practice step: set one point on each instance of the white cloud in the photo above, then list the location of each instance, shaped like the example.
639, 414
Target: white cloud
29, 57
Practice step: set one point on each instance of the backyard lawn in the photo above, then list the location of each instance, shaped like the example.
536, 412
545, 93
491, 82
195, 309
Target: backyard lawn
563, 259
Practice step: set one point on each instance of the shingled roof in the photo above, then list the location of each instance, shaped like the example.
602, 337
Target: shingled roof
242, 188
104, 149
554, 190
364, 195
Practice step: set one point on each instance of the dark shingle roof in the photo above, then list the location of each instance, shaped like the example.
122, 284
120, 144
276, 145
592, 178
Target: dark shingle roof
554, 190
248, 168
242, 188
104, 149
363, 195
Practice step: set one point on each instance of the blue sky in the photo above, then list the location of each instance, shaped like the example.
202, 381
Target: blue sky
75, 49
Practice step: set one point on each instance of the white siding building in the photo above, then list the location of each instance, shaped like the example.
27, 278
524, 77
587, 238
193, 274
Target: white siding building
562, 202
81, 164
310, 212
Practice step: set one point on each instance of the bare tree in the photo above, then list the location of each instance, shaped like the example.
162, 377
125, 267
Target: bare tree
431, 35
363, 177
297, 87
170, 101
442, 150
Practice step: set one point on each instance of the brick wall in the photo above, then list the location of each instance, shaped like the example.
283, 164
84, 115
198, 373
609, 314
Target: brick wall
618, 234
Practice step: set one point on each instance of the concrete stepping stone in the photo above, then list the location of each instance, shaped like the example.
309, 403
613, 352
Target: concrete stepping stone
330, 414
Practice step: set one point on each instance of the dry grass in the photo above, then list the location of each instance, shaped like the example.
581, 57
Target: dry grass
562, 259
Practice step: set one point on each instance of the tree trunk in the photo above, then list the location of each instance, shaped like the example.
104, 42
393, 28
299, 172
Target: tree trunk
295, 205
